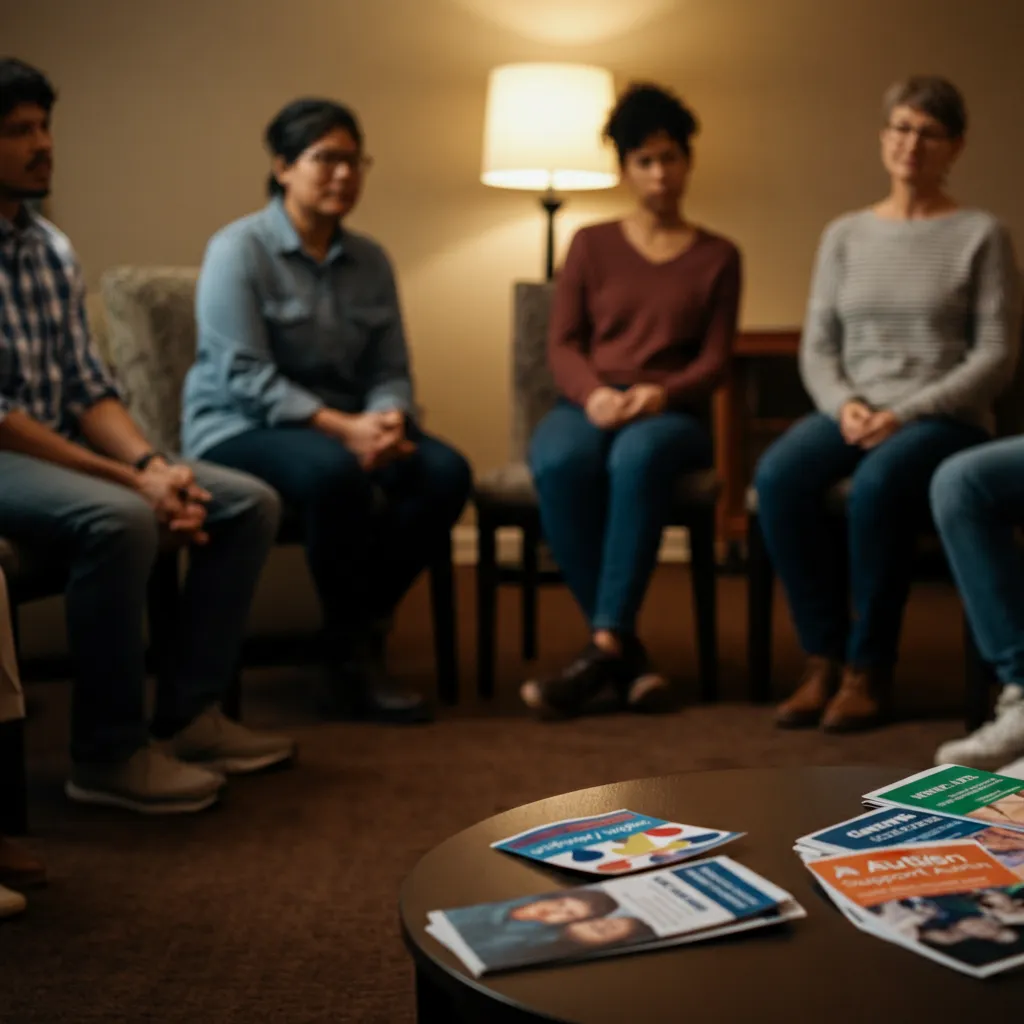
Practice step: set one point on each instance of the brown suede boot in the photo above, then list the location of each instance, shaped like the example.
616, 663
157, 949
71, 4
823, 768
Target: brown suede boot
861, 702
18, 868
806, 705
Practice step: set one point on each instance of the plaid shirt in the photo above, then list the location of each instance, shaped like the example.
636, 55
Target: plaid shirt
49, 365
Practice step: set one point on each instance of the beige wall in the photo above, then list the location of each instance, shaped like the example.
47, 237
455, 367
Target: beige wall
163, 105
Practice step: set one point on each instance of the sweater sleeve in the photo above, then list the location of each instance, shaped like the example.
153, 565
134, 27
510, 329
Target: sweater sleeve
702, 375
989, 363
569, 330
821, 367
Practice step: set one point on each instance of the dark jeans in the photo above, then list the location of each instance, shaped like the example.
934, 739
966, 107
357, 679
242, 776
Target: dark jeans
978, 504
605, 497
367, 535
109, 537
887, 507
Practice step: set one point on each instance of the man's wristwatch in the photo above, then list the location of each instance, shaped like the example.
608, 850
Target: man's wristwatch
144, 460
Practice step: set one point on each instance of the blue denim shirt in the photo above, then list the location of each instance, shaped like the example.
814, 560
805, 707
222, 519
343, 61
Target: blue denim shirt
281, 335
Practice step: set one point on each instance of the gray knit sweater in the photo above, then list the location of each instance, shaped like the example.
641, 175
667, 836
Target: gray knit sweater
917, 316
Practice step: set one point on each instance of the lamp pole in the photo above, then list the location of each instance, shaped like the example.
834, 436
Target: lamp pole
552, 203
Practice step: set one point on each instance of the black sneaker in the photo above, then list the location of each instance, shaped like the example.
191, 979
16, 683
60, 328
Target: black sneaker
640, 687
579, 683
360, 687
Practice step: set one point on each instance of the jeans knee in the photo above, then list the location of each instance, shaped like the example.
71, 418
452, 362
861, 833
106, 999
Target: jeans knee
564, 463
953, 486
127, 526
263, 507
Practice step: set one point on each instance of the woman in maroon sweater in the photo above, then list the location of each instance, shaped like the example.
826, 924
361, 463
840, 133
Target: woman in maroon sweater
643, 321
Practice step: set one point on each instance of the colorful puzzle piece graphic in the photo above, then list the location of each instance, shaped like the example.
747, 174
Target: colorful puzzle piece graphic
585, 855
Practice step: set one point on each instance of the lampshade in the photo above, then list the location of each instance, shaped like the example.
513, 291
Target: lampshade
543, 128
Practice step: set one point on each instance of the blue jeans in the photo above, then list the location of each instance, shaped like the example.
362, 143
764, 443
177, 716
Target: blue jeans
605, 497
363, 554
109, 537
978, 502
887, 507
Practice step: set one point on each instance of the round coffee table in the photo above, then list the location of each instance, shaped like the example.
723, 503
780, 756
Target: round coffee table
820, 968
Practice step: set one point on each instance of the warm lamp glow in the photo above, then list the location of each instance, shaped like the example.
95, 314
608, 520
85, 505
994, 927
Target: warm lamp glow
543, 128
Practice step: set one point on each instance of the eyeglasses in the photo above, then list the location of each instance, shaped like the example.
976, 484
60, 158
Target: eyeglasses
929, 136
329, 160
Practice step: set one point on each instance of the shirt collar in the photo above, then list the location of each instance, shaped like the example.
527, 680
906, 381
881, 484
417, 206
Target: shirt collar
28, 227
286, 238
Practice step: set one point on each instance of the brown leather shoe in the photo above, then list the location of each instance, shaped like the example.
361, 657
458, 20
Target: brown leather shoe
18, 868
861, 701
806, 705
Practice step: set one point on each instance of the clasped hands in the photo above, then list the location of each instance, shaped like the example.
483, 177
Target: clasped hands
178, 501
377, 438
609, 408
865, 427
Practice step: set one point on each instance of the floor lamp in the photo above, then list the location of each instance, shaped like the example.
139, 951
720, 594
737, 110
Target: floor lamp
543, 134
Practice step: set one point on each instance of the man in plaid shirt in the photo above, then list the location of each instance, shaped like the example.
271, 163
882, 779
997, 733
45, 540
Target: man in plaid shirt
78, 480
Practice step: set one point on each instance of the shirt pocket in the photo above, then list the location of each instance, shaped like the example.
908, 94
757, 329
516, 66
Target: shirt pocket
365, 326
291, 330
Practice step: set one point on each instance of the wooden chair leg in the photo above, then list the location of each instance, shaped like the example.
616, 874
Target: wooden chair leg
13, 779
442, 603
530, 560
486, 603
760, 594
977, 682
705, 601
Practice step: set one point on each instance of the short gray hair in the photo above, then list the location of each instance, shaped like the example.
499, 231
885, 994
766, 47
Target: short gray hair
937, 97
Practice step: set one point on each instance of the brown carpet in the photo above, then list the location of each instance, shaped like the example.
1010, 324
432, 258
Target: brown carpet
281, 904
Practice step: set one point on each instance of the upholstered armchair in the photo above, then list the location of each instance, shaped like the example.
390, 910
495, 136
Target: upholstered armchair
506, 497
152, 341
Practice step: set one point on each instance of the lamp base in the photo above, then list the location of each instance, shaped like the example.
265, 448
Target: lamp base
552, 203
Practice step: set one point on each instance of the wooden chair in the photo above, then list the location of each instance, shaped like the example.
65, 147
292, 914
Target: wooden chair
506, 497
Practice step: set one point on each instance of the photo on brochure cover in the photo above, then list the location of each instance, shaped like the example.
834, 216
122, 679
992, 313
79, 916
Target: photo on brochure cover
976, 928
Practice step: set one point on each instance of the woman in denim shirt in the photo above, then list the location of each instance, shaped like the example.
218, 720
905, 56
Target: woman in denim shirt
302, 378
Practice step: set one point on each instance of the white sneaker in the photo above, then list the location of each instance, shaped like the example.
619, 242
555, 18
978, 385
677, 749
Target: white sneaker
149, 782
216, 742
11, 902
996, 742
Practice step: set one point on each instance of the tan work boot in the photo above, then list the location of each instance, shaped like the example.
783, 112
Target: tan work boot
19, 868
806, 705
860, 702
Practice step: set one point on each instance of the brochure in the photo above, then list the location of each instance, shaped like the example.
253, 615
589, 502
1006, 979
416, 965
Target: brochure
952, 901
891, 826
960, 792
615, 843
672, 906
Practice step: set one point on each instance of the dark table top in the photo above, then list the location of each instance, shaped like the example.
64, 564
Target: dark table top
817, 969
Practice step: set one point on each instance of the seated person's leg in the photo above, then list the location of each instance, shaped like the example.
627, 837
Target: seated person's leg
426, 493
977, 499
791, 481
18, 867
644, 465
568, 460
322, 481
108, 536
242, 521
887, 509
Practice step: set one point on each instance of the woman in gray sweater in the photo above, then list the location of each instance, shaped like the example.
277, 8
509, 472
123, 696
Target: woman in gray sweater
910, 334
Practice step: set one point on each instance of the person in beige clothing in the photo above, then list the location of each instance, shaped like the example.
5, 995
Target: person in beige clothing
17, 866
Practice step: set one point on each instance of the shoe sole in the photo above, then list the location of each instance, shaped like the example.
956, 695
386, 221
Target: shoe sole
102, 798
532, 696
243, 765
649, 694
